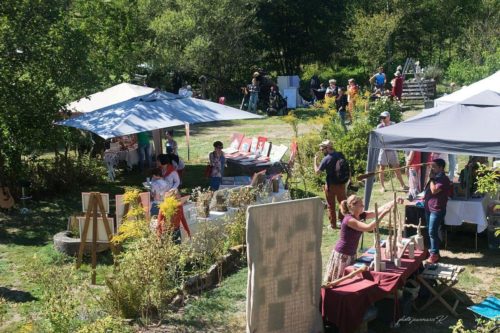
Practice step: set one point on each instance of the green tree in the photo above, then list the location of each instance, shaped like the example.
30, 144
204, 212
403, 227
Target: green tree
40, 56
208, 38
293, 33
371, 35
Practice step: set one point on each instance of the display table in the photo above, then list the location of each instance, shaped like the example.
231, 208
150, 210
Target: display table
217, 218
113, 156
471, 211
345, 304
393, 277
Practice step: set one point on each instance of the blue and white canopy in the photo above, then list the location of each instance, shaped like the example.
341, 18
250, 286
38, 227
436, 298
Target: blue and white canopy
154, 111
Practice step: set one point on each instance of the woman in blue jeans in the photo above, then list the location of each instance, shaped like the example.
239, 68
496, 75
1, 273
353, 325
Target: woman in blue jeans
217, 161
435, 201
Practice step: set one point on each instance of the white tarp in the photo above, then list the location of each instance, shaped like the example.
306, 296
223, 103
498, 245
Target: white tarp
284, 266
490, 83
151, 112
116, 94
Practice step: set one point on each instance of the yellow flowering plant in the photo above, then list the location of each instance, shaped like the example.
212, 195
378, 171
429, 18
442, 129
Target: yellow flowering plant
134, 225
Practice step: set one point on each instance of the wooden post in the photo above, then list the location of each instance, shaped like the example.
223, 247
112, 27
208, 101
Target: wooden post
378, 254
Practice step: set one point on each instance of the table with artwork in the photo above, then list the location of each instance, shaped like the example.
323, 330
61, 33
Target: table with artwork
351, 298
218, 218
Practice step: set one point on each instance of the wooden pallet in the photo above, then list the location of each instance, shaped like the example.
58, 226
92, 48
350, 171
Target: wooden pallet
411, 90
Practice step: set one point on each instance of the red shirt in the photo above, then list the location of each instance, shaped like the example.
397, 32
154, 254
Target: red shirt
175, 222
416, 159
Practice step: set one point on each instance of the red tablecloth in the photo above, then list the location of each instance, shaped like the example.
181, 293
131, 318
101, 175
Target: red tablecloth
393, 277
346, 304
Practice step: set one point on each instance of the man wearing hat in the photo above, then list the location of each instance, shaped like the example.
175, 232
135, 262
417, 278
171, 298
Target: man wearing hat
388, 157
333, 189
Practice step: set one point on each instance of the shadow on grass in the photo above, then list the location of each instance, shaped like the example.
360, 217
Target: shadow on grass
16, 296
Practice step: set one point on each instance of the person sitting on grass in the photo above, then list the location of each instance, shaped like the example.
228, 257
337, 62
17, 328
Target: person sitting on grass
353, 225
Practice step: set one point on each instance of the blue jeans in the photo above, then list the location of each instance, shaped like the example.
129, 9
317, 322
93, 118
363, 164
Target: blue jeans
155, 209
252, 102
215, 183
435, 220
144, 155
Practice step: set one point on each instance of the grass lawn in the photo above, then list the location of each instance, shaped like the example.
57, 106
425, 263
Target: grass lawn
25, 239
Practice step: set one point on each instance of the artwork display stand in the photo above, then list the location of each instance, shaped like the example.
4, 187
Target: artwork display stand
95, 207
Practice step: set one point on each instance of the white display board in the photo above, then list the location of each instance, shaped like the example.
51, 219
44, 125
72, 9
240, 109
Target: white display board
102, 236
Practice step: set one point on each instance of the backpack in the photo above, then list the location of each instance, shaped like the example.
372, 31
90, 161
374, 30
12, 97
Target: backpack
342, 170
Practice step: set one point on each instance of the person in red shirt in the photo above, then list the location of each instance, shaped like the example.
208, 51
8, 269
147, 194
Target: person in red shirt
413, 161
397, 87
175, 222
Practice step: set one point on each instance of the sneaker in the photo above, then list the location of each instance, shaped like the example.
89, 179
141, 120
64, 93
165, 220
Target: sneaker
434, 258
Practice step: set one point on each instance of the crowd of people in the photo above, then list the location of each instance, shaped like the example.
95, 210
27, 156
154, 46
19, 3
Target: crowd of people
351, 217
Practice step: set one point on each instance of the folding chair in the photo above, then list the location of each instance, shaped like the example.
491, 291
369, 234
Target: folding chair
446, 276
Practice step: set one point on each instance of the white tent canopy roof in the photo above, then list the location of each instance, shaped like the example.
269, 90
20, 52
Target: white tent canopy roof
151, 112
116, 94
490, 83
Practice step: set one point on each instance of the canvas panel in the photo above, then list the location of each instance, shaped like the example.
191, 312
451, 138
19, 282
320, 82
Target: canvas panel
284, 266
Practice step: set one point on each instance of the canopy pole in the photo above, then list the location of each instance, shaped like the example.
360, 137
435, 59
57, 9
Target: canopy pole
186, 126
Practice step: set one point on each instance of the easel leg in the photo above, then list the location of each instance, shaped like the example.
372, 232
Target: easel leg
94, 241
83, 236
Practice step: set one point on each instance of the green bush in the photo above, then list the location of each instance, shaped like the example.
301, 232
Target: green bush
354, 145
381, 105
149, 273
433, 72
51, 176
327, 72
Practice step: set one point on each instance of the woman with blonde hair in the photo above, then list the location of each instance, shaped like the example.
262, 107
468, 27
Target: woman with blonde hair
353, 225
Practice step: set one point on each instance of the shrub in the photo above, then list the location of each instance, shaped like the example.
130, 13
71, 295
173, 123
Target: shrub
149, 273
433, 72
354, 145
381, 105
51, 176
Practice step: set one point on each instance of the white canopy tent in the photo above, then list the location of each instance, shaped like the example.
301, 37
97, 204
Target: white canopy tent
470, 128
490, 83
151, 113
113, 95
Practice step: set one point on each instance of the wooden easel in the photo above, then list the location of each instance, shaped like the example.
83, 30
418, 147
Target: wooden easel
95, 204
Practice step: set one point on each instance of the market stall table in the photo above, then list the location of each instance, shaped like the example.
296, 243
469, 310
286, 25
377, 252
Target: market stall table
471, 211
393, 277
217, 218
345, 304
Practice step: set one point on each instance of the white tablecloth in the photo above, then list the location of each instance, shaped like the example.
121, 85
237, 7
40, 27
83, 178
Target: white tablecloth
218, 217
471, 211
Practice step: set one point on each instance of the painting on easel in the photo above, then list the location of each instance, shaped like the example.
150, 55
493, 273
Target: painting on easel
86, 197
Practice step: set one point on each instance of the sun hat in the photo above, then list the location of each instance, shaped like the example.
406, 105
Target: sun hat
325, 144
